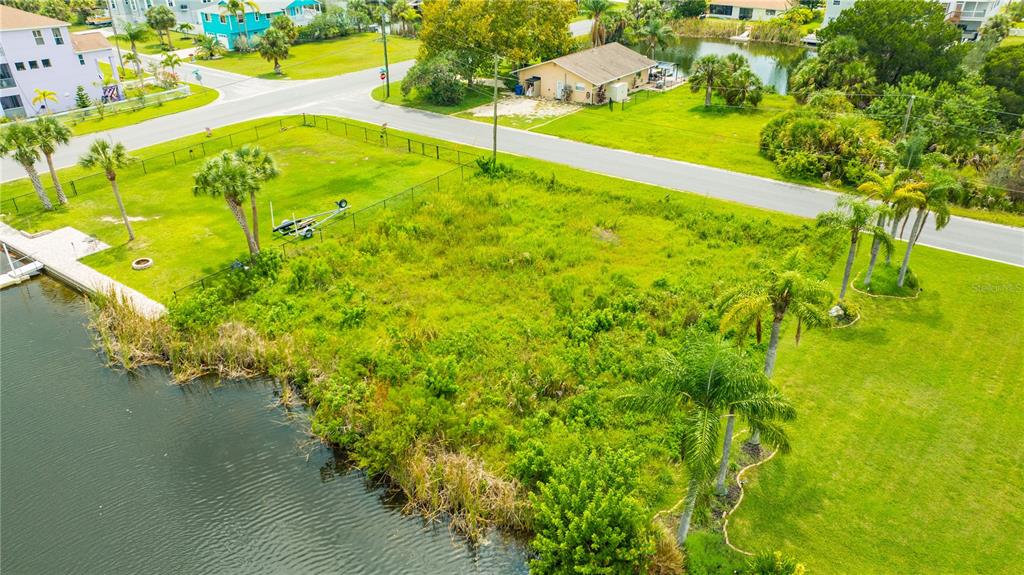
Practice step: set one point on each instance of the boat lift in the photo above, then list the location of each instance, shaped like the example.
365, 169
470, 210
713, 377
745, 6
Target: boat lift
17, 274
307, 226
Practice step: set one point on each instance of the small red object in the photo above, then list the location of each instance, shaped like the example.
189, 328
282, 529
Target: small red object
383, 75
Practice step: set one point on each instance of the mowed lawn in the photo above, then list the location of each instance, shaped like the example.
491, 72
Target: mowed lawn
906, 451
154, 45
190, 236
200, 96
321, 59
676, 125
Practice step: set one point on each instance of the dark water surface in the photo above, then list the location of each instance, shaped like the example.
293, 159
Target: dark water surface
102, 472
773, 63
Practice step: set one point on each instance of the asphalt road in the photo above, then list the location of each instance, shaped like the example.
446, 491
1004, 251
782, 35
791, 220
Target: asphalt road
347, 95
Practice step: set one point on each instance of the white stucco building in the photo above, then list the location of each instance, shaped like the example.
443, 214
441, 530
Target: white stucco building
969, 16
748, 9
37, 52
122, 11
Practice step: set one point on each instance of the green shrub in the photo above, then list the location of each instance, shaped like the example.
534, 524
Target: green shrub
437, 79
203, 309
309, 273
587, 518
531, 464
440, 377
774, 563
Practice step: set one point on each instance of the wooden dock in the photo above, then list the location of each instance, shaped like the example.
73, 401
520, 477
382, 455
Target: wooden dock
59, 252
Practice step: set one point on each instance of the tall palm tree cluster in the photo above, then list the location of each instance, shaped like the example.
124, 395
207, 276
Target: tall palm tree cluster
236, 177
645, 27
729, 77
26, 142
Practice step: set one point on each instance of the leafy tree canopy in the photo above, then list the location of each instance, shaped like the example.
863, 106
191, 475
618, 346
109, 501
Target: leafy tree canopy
1004, 71
689, 8
437, 79
839, 66
900, 37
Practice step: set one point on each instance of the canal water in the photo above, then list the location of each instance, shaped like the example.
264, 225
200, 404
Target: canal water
103, 472
773, 63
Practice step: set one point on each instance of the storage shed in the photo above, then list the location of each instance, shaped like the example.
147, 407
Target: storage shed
578, 77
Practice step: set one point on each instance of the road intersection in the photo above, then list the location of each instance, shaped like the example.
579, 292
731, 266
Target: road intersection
348, 95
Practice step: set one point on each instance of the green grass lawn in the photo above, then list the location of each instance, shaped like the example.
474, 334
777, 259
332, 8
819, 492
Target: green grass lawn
200, 96
1012, 41
154, 46
904, 456
322, 59
203, 236
676, 125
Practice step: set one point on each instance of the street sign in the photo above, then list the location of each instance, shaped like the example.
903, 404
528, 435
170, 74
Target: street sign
383, 75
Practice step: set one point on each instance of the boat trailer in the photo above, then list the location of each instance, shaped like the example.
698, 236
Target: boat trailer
305, 227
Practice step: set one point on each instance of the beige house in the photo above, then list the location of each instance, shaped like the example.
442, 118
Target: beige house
578, 76
749, 9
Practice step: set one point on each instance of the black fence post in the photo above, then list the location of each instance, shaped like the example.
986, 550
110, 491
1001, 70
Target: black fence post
203, 146
144, 167
346, 128
74, 189
303, 119
353, 221
458, 155
437, 152
257, 130
366, 137
174, 157
15, 202
231, 140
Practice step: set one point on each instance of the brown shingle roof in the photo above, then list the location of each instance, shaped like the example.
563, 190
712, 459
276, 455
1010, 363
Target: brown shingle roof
14, 19
89, 42
604, 63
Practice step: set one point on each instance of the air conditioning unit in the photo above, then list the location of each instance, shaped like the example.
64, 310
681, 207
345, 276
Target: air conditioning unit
619, 92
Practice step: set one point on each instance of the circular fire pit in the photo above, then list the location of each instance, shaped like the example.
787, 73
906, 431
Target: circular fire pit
142, 263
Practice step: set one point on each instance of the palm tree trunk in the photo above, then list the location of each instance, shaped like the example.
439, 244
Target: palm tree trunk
723, 466
120, 206
61, 198
37, 185
691, 503
707, 95
918, 223
769, 365
849, 263
236, 210
277, 67
892, 232
138, 64
255, 221
875, 246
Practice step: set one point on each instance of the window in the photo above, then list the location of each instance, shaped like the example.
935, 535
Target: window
58, 39
240, 19
835, 2
580, 88
223, 20
719, 10
746, 13
769, 12
32, 64
6, 81
8, 102
38, 35
81, 59
19, 66
256, 16
206, 17
46, 62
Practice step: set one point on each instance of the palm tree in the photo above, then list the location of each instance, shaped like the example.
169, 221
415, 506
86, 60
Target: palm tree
787, 286
226, 176
134, 33
50, 133
264, 168
185, 29
708, 379
42, 96
896, 192
595, 9
406, 15
208, 48
236, 7
20, 142
133, 60
273, 47
110, 158
171, 61
655, 34
855, 215
934, 199
707, 73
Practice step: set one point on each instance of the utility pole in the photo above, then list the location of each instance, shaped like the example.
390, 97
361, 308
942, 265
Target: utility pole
906, 118
113, 28
494, 135
384, 36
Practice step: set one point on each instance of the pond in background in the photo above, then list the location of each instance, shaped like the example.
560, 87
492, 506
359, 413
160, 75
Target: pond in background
109, 473
773, 63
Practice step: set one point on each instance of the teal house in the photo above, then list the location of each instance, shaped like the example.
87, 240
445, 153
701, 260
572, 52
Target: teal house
228, 27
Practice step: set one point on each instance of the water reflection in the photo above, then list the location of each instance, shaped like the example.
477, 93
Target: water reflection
773, 63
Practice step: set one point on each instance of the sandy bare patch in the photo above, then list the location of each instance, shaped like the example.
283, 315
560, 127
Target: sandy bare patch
113, 220
529, 107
